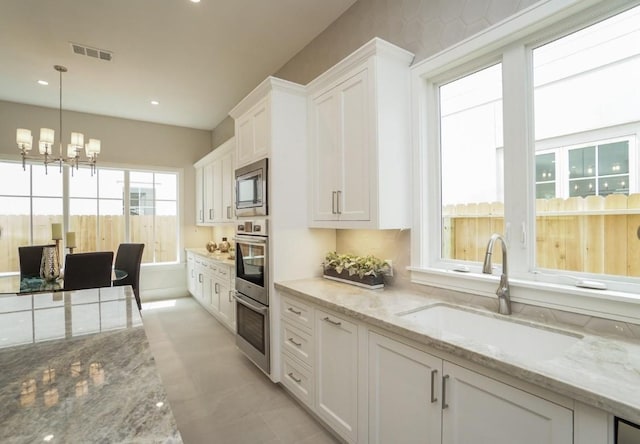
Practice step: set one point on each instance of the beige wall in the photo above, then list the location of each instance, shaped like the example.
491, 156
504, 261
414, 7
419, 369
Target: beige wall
126, 143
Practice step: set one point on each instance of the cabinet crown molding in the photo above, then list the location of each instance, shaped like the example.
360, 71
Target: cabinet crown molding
374, 47
218, 151
266, 86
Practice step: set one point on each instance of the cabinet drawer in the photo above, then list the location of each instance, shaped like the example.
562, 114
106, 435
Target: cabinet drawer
224, 272
297, 379
298, 312
297, 343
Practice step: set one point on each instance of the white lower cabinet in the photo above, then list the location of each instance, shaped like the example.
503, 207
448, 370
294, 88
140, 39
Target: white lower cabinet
337, 373
211, 283
480, 409
403, 393
416, 397
411, 396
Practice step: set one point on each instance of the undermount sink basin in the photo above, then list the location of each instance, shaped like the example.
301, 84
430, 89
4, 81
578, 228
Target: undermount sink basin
492, 334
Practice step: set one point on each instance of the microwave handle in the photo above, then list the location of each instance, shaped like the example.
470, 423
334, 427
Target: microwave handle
258, 309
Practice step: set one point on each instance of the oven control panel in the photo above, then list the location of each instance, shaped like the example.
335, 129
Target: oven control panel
255, 227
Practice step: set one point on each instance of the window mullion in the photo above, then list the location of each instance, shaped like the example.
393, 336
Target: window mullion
519, 150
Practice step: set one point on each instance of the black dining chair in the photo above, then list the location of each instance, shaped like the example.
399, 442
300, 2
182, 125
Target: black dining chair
129, 258
30, 258
88, 270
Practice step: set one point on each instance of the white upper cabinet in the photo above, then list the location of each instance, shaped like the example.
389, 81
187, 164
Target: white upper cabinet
215, 185
261, 119
253, 133
359, 141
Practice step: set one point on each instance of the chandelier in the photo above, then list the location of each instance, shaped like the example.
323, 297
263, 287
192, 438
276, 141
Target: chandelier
45, 145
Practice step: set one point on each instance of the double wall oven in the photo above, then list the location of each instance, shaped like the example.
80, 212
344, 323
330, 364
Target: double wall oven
252, 291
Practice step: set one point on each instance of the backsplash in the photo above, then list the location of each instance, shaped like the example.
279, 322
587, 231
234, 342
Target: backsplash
396, 245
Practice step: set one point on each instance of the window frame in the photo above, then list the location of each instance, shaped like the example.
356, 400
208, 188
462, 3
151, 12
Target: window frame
66, 199
510, 42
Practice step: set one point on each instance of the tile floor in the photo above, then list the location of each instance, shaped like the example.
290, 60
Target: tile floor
216, 394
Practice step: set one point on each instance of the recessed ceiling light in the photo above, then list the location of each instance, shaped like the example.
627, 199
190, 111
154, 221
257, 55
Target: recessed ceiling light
195, 1
43, 82
155, 102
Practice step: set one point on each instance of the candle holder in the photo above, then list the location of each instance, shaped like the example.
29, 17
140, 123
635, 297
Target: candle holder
71, 249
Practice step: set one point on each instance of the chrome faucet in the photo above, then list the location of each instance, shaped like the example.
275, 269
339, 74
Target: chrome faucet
504, 295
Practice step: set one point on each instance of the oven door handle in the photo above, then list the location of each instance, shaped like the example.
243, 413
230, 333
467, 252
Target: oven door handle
253, 240
258, 309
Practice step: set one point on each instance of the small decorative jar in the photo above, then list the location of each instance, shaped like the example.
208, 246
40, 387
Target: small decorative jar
224, 245
211, 246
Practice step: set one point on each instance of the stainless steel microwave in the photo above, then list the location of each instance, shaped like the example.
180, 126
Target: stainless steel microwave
251, 190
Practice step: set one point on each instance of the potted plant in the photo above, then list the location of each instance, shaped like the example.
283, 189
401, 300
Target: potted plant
365, 271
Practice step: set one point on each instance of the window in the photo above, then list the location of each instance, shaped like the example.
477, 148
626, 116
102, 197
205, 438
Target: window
32, 200
559, 175
470, 135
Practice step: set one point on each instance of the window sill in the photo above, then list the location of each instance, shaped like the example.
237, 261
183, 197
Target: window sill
608, 304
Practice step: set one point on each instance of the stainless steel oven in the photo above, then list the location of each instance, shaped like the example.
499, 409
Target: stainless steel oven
252, 292
251, 190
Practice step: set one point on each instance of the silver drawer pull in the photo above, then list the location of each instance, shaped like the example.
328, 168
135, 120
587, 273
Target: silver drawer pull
295, 312
444, 392
434, 398
298, 380
297, 344
331, 321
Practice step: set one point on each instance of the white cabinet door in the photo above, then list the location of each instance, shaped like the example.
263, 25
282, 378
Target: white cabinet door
326, 161
341, 143
191, 274
477, 409
337, 373
208, 193
216, 172
227, 305
353, 193
253, 130
228, 183
199, 196
244, 131
404, 393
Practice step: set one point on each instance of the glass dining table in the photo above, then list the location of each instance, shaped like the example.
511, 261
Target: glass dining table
14, 284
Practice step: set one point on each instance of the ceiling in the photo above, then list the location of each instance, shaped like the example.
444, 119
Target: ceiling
197, 59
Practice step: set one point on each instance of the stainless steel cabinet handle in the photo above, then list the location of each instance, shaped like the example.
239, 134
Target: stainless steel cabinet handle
228, 212
211, 214
433, 392
230, 296
444, 392
295, 312
297, 344
333, 202
217, 288
338, 210
201, 215
298, 380
331, 321
199, 277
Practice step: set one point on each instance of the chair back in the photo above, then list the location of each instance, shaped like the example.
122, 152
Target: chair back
30, 258
88, 270
129, 258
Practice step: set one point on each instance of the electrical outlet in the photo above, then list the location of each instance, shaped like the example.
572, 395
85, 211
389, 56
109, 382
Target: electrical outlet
390, 262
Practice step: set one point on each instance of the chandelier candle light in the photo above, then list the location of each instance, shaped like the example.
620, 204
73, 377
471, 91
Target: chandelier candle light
24, 139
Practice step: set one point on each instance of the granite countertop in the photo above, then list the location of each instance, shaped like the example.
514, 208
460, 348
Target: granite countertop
602, 371
76, 367
217, 256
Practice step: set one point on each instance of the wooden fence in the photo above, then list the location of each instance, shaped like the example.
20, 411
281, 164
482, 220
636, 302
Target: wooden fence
594, 234
14, 232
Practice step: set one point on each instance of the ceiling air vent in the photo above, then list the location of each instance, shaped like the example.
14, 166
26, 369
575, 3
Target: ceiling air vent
88, 51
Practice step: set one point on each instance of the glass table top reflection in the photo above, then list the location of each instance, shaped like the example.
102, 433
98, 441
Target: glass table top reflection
13, 284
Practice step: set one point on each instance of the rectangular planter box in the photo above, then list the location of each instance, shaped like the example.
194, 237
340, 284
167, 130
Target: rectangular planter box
370, 282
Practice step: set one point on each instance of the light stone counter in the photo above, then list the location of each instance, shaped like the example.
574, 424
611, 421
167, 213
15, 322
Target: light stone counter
75, 367
217, 256
602, 371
